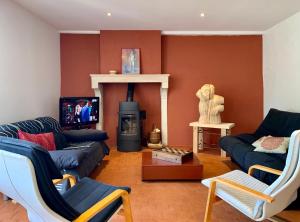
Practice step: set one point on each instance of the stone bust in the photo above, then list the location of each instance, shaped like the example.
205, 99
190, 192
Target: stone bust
210, 105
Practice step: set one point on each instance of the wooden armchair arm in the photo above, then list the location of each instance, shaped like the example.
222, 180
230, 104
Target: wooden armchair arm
234, 185
263, 168
244, 189
71, 178
99, 206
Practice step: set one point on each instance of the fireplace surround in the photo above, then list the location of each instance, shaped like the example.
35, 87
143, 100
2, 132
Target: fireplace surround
97, 81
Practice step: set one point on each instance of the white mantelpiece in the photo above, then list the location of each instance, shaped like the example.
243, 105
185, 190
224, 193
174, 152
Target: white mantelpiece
99, 79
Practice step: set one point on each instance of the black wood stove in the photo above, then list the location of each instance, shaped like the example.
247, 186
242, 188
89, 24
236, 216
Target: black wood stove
130, 125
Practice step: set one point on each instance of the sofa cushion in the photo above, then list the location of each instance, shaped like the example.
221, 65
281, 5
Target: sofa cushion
60, 141
37, 126
9, 130
270, 144
67, 159
278, 123
85, 135
45, 140
95, 152
247, 137
236, 148
89, 146
51, 125
30, 126
88, 192
265, 159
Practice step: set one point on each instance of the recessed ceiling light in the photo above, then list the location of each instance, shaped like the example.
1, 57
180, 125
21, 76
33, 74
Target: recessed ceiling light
202, 14
108, 14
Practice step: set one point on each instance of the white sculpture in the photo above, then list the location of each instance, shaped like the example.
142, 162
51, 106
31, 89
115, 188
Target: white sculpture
210, 105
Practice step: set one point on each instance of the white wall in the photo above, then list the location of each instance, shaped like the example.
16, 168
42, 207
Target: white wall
281, 55
29, 65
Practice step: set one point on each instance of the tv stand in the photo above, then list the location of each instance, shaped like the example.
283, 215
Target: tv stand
78, 127
82, 127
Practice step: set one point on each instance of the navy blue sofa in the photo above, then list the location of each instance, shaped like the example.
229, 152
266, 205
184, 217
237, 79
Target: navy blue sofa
276, 123
78, 152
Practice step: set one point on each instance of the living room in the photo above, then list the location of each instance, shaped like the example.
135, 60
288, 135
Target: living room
58, 58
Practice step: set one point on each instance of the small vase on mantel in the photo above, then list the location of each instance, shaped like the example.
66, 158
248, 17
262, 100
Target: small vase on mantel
113, 72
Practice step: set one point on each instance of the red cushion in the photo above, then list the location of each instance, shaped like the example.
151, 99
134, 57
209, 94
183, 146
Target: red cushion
46, 140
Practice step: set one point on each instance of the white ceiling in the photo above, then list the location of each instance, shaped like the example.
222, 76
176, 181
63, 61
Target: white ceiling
166, 15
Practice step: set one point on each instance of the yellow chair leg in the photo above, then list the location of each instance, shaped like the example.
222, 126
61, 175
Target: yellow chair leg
210, 201
127, 208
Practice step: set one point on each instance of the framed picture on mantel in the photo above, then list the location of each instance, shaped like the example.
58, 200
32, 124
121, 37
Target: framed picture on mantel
130, 61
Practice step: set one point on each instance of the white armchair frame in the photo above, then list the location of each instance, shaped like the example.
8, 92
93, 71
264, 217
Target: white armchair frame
22, 187
273, 199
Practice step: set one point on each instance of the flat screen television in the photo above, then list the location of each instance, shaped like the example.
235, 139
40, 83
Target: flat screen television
77, 111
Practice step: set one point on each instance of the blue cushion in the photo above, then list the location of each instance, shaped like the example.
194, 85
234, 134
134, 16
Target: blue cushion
87, 192
67, 159
95, 152
279, 123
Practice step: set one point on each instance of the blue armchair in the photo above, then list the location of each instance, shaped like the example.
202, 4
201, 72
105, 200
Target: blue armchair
28, 175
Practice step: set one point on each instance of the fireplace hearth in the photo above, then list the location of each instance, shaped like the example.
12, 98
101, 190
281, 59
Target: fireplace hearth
130, 125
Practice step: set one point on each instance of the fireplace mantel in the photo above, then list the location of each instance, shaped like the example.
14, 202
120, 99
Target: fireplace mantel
99, 79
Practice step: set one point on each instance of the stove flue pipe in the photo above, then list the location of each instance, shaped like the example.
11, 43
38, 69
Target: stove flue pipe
130, 92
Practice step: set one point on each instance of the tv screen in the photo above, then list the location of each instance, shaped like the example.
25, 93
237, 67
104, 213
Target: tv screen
76, 111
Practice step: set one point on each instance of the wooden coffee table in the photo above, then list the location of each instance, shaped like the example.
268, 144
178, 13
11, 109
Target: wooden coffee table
154, 169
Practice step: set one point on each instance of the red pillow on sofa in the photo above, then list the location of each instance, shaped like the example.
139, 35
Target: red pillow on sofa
46, 140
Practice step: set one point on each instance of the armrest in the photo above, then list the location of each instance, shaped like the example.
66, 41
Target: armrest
70, 177
99, 206
244, 189
85, 135
263, 168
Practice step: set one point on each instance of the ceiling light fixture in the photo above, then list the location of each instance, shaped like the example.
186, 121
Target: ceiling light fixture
202, 14
108, 14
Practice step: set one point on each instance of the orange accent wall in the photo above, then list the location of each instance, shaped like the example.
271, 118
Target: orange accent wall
79, 56
232, 63
148, 95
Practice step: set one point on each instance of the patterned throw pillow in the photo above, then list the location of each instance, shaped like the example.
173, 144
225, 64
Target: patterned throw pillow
46, 140
9, 130
270, 144
29, 126
50, 124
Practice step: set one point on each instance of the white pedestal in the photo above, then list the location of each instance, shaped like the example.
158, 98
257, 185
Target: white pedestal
198, 134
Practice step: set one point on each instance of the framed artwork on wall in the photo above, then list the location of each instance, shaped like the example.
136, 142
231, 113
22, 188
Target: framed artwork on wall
130, 61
